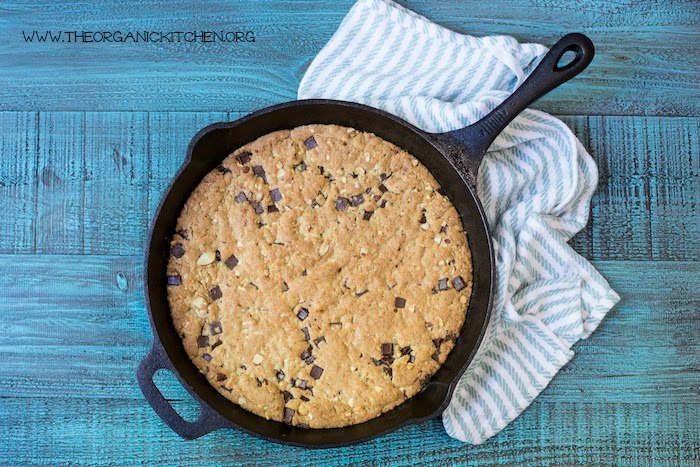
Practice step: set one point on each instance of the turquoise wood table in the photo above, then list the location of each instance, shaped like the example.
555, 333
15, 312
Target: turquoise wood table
91, 133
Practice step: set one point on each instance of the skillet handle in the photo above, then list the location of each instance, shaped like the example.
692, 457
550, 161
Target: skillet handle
208, 419
547, 76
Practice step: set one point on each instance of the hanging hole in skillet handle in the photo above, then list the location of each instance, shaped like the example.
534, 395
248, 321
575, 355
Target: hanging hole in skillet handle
554, 69
207, 421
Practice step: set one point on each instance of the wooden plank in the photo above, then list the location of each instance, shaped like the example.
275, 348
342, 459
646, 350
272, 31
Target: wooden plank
62, 181
75, 325
18, 181
648, 201
546, 434
116, 183
638, 68
649, 181
169, 135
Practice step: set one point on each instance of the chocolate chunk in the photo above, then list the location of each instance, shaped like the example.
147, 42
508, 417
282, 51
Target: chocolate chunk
301, 383
316, 372
306, 353
387, 360
174, 280
223, 169
304, 272
215, 293
272, 208
258, 382
387, 349
215, 328
240, 198
436, 356
443, 229
382, 204
259, 209
301, 167
341, 204
357, 200
310, 143
260, 172
423, 219
203, 341
400, 302
382, 188
383, 176
438, 342
279, 375
442, 285
303, 313
388, 371
287, 396
458, 283
305, 399
367, 215
288, 415
411, 359
217, 255
447, 241
183, 233
220, 377
246, 169
285, 287
206, 357
406, 350
178, 250
244, 157
216, 344
318, 340
359, 294
307, 336
275, 195
376, 362
231, 262
310, 360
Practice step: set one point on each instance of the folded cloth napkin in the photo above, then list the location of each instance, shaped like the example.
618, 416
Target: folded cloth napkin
536, 184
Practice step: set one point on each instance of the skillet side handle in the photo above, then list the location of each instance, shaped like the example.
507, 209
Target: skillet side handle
207, 421
547, 76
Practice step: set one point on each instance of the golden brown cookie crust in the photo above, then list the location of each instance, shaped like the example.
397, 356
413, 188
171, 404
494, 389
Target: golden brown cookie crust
318, 277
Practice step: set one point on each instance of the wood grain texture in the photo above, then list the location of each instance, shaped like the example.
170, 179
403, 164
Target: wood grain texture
61, 183
645, 62
86, 330
116, 182
648, 201
548, 433
18, 181
98, 177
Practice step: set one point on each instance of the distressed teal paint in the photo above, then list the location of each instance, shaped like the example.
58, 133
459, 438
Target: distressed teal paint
91, 134
646, 62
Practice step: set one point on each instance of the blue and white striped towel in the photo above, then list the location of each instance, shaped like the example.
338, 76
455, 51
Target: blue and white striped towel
536, 184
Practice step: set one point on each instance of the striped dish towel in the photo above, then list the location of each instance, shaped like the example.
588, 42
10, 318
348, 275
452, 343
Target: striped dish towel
536, 184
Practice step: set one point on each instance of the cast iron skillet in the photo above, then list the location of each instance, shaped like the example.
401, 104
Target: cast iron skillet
453, 158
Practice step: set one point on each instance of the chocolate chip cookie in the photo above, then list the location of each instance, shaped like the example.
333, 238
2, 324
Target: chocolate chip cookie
318, 276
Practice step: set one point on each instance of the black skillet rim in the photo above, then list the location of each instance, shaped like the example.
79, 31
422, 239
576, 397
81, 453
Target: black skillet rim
434, 140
